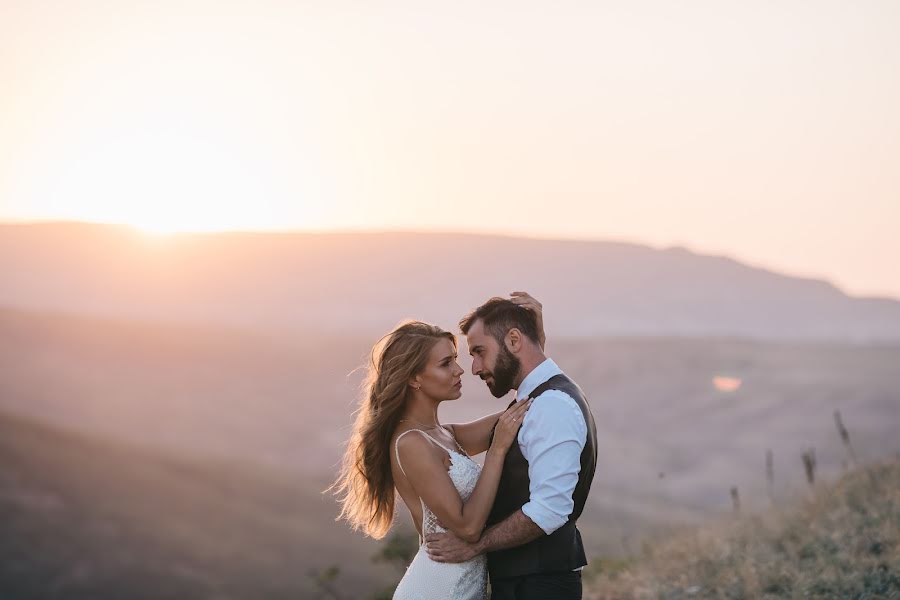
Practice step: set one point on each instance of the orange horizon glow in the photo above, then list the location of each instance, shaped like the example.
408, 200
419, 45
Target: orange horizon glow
161, 229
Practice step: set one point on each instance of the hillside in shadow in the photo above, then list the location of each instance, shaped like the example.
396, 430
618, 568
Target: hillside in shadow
85, 518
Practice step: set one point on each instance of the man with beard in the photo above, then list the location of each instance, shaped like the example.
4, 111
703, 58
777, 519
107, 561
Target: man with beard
533, 546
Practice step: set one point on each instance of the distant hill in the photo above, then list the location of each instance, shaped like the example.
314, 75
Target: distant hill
83, 518
366, 282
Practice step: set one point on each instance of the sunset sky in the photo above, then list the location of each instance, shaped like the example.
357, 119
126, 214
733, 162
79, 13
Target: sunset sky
768, 131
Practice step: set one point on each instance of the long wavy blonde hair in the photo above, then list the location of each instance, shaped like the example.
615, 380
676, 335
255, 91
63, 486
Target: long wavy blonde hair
365, 485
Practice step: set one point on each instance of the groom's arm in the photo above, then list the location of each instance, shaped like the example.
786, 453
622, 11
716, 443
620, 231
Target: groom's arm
514, 530
553, 437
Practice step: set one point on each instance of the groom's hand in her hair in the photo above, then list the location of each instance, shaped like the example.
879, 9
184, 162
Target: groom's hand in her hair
447, 548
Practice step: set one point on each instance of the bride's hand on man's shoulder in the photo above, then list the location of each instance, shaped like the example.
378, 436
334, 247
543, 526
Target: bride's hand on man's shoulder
508, 425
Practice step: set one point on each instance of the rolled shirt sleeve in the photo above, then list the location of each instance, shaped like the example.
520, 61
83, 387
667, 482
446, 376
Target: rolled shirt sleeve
552, 437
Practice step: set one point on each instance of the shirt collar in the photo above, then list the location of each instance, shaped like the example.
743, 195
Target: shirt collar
538, 375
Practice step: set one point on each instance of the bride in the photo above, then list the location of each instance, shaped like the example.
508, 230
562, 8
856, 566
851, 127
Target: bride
398, 446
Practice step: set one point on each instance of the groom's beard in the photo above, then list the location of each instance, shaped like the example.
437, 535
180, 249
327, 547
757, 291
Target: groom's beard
504, 373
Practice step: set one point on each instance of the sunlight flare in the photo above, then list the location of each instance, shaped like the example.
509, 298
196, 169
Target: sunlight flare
726, 384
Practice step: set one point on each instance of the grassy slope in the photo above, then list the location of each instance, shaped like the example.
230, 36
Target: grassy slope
842, 542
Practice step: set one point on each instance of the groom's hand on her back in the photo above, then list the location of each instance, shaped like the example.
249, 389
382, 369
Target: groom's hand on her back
447, 548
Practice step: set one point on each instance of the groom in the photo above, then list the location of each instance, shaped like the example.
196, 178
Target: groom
533, 547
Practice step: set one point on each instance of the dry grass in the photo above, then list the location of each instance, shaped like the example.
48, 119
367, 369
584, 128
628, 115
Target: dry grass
843, 542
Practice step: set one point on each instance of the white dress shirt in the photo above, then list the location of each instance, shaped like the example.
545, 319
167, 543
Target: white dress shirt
552, 436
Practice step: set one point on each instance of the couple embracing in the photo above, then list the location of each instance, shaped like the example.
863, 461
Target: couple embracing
513, 518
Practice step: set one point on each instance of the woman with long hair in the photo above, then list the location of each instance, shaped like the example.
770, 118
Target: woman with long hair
399, 447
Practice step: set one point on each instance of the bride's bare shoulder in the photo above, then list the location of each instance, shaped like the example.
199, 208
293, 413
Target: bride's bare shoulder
410, 440
415, 449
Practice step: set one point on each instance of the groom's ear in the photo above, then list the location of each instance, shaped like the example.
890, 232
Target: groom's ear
513, 340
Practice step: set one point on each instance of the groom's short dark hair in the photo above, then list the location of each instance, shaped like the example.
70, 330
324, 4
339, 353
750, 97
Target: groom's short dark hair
499, 315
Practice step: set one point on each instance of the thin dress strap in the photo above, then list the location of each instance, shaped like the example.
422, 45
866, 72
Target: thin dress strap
397, 446
462, 450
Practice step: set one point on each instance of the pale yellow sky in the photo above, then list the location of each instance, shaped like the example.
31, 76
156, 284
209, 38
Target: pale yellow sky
768, 131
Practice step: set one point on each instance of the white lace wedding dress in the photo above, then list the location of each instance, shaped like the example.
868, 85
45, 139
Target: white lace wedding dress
426, 579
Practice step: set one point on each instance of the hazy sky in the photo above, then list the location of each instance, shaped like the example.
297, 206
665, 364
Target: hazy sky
765, 130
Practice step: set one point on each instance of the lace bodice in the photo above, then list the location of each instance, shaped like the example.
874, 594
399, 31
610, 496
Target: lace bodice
463, 473
426, 579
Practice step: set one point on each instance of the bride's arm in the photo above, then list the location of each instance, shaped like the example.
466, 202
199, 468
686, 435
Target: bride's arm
427, 474
474, 436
